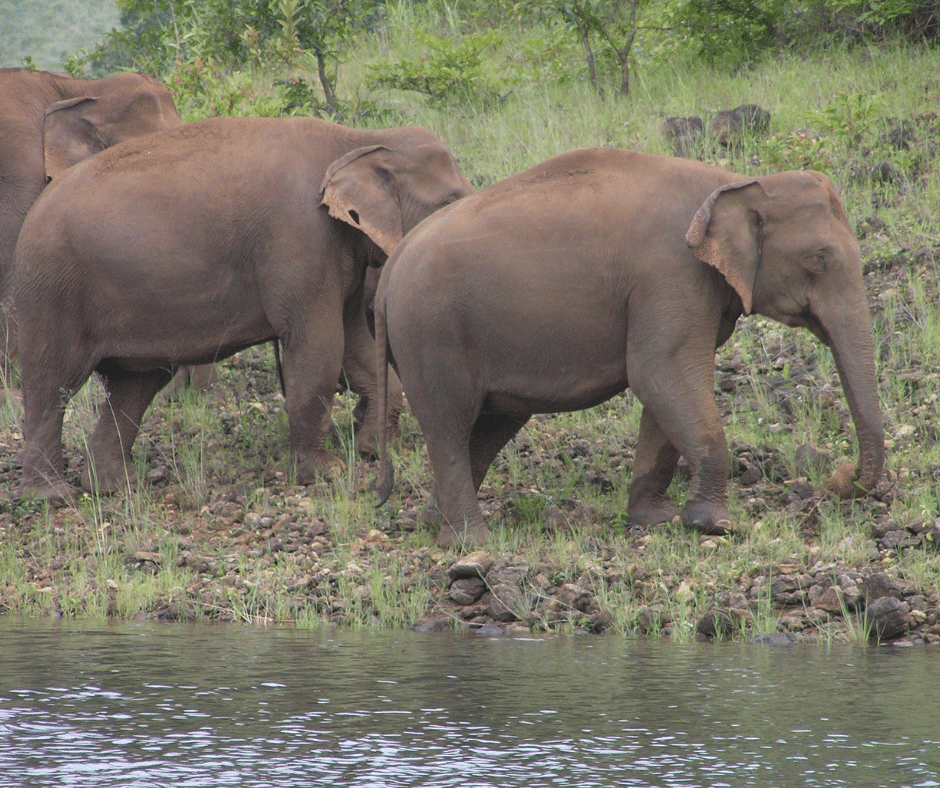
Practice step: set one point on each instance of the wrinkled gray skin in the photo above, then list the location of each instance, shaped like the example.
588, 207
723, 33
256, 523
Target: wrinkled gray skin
221, 234
601, 269
49, 122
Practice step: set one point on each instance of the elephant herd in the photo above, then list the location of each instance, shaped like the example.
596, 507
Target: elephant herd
600, 269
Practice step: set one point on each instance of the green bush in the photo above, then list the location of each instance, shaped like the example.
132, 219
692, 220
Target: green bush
450, 71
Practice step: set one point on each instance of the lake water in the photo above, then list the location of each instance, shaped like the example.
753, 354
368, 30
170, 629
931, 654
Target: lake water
178, 705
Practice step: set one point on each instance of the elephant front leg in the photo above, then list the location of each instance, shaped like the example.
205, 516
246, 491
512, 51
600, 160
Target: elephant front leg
680, 417
653, 467
359, 369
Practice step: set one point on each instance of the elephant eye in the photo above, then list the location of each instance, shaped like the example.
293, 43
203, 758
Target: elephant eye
818, 262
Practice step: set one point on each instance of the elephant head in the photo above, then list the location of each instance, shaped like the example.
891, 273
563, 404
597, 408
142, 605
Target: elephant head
385, 192
76, 128
783, 242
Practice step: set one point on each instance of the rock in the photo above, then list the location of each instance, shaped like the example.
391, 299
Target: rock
832, 600
730, 126
879, 585
475, 564
651, 618
433, 624
887, 617
573, 597
505, 602
776, 639
717, 623
467, 590
683, 133
752, 474
491, 631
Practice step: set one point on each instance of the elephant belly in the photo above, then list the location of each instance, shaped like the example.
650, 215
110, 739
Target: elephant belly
544, 387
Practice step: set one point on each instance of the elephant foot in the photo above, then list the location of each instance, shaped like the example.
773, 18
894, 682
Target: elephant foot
323, 466
106, 481
647, 514
56, 494
366, 445
468, 536
708, 518
449, 535
843, 481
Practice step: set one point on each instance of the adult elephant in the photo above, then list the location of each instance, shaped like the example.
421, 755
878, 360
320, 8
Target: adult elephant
601, 269
50, 121
186, 246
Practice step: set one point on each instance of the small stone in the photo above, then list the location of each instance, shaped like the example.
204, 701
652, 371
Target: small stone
439, 624
475, 564
776, 639
467, 590
879, 585
888, 618
504, 603
832, 600
573, 597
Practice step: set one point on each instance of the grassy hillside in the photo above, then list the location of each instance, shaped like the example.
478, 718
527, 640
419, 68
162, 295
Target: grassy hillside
48, 31
216, 529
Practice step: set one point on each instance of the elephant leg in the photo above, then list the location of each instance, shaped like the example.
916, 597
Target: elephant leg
653, 466
490, 434
679, 397
43, 463
447, 420
199, 377
359, 371
108, 465
47, 388
311, 369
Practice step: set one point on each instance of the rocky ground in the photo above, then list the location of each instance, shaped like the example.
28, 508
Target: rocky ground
249, 546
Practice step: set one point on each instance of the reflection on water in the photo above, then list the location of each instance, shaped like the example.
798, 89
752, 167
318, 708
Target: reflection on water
198, 705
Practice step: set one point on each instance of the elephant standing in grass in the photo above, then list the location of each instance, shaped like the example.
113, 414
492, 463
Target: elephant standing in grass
601, 269
186, 246
49, 122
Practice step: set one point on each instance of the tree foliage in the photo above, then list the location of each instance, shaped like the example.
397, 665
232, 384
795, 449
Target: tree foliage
165, 36
609, 23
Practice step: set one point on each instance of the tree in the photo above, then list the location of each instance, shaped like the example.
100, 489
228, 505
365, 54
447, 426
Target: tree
161, 36
609, 22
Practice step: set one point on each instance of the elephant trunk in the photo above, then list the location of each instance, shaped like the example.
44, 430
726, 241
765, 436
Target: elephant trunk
850, 338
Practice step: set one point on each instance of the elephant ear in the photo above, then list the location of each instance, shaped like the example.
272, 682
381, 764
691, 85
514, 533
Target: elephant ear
726, 234
68, 137
359, 189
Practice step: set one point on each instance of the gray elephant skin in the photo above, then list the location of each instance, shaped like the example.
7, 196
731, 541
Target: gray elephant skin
51, 121
186, 246
601, 269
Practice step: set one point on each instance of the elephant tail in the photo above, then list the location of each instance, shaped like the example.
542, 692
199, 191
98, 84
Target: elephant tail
279, 366
386, 479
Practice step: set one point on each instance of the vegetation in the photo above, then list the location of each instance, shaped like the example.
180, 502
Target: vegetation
216, 529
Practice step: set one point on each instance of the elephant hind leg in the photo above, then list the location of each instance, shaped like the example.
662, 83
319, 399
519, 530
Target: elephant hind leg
490, 433
43, 463
47, 388
108, 465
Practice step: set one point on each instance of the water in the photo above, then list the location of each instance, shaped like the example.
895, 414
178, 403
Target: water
198, 705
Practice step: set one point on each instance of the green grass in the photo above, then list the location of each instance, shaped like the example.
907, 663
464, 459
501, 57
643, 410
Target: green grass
226, 474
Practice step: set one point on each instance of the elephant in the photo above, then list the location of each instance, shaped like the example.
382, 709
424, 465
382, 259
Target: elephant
186, 246
602, 269
48, 122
